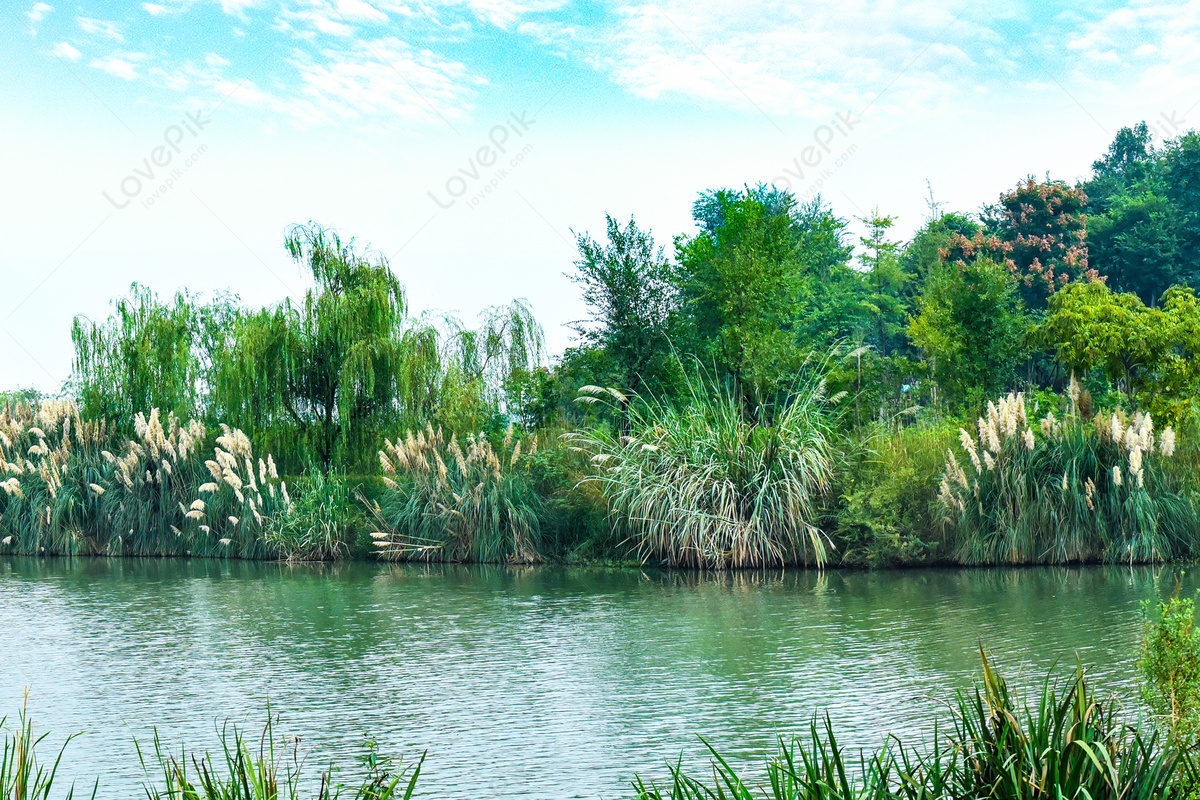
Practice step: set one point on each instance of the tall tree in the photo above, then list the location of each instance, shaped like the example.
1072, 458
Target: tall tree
971, 326
632, 301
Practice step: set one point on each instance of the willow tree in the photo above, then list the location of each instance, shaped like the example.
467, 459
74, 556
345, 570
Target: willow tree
330, 367
143, 356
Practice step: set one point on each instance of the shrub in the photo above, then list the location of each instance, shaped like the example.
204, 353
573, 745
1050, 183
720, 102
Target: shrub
482, 507
319, 527
1170, 667
1064, 491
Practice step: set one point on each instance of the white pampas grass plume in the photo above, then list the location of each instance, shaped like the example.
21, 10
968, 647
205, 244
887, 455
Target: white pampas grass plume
225, 542
197, 505
209, 488
97, 488
1166, 442
1028, 439
195, 514
1116, 475
988, 460
233, 520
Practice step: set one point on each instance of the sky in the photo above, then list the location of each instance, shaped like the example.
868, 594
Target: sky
174, 143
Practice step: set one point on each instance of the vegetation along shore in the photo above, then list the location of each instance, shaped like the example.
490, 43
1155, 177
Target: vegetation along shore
1015, 386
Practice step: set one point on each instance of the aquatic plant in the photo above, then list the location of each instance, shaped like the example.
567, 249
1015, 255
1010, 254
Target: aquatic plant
459, 501
704, 483
22, 775
1064, 490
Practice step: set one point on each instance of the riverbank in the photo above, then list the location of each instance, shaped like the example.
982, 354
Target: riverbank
1027, 482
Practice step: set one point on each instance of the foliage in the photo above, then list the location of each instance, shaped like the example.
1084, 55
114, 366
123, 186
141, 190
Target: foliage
1067, 744
1153, 353
888, 511
741, 282
1170, 667
630, 293
143, 356
482, 507
970, 325
707, 484
1072, 491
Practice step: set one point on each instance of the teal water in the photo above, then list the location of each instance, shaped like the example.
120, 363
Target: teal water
527, 682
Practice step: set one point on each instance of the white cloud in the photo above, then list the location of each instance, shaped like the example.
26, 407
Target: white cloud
360, 10
100, 27
806, 58
120, 65
38, 12
154, 9
64, 50
385, 81
214, 60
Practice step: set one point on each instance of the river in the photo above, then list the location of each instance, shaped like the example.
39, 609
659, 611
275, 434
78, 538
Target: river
527, 682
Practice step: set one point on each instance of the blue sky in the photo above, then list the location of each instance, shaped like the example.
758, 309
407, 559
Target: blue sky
173, 142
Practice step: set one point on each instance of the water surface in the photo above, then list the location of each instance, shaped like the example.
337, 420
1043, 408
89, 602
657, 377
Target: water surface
527, 682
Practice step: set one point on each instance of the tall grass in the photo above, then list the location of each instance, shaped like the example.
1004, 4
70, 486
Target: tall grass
709, 483
1065, 490
459, 501
74, 487
22, 775
274, 770
1066, 745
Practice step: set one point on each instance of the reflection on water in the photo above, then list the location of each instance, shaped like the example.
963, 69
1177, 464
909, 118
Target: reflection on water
528, 682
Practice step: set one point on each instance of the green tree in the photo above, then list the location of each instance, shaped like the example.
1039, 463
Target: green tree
1152, 354
971, 326
887, 284
1134, 245
143, 356
632, 299
741, 281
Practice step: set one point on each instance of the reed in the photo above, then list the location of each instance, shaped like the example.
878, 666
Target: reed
459, 501
74, 486
22, 775
1064, 490
709, 484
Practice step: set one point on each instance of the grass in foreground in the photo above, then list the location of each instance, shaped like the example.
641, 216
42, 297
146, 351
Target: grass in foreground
1066, 745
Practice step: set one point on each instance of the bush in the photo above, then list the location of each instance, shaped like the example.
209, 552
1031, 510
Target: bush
320, 525
1170, 667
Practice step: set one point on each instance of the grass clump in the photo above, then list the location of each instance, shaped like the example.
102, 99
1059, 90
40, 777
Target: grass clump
711, 484
74, 487
1170, 667
459, 501
274, 770
1067, 745
1064, 490
22, 775
319, 525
